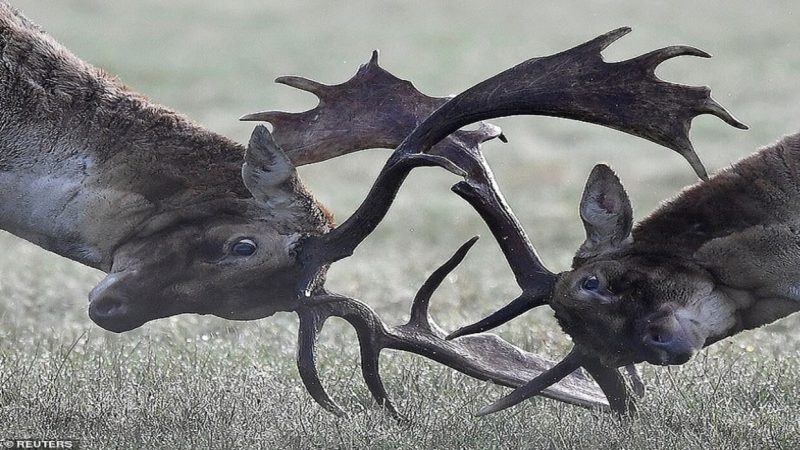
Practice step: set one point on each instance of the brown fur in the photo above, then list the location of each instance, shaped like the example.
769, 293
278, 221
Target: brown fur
43, 86
722, 256
761, 189
97, 173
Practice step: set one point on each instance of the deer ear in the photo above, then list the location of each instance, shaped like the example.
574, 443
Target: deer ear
606, 213
266, 169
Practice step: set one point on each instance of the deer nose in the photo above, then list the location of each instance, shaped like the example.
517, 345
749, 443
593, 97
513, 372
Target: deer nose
671, 345
110, 308
111, 313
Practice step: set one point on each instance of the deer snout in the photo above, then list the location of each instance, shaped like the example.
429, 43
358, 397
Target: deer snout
672, 338
110, 308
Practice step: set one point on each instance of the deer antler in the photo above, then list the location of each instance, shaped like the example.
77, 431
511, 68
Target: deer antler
574, 84
483, 356
373, 109
486, 356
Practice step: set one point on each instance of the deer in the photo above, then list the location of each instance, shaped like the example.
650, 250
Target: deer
720, 258
183, 220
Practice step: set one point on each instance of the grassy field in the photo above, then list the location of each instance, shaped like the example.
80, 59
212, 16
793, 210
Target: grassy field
199, 382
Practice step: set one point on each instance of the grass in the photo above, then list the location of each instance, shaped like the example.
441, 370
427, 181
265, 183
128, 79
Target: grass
198, 382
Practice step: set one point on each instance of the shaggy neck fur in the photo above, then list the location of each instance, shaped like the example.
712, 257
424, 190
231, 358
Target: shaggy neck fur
84, 162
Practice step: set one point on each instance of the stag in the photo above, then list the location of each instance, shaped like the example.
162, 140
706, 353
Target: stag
96, 173
720, 258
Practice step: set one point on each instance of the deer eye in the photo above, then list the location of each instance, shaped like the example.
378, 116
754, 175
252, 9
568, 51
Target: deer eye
244, 247
590, 283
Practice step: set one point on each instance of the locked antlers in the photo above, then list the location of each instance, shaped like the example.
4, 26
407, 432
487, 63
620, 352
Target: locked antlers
376, 109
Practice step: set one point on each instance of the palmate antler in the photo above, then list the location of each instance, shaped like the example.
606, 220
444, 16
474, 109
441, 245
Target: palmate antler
319, 134
574, 84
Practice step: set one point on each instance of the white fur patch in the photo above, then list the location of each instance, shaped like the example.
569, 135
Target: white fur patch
57, 209
711, 310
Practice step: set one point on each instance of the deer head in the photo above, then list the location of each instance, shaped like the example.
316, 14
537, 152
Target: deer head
626, 304
99, 174
216, 259
718, 259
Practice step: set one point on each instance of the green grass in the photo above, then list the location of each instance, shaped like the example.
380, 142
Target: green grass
198, 382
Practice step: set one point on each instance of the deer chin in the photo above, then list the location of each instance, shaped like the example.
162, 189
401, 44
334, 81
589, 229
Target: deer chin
252, 313
113, 316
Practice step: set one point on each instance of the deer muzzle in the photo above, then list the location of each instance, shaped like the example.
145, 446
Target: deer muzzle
112, 309
671, 336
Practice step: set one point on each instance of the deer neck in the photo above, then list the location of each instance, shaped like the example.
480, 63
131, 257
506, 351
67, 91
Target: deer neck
741, 226
84, 162
762, 189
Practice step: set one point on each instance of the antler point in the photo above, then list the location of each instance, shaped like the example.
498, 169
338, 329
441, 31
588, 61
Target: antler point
303, 84
485, 411
714, 108
603, 41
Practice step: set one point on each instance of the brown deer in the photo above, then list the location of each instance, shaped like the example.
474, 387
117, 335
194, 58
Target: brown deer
720, 258
186, 221
98, 174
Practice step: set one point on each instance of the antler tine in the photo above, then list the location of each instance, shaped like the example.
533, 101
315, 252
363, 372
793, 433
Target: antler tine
304, 84
534, 387
612, 383
371, 334
609, 379
712, 107
517, 307
650, 61
419, 308
311, 322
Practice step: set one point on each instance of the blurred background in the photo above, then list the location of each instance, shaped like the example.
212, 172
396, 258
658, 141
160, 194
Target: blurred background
215, 61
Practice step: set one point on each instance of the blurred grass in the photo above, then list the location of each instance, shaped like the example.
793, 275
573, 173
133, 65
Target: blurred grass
198, 382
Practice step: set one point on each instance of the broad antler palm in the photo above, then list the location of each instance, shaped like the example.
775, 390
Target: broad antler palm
376, 109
